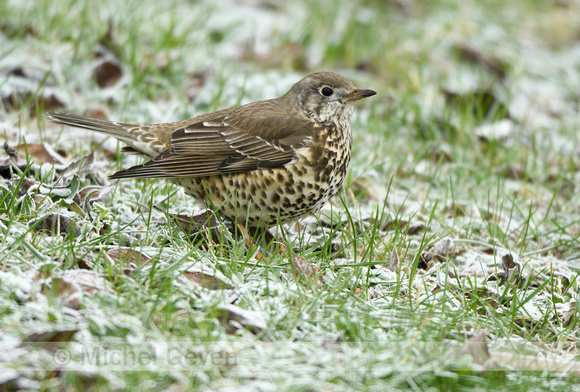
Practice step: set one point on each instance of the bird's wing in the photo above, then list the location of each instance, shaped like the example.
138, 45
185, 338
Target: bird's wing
235, 142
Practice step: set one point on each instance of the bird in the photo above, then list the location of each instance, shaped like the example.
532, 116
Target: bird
260, 164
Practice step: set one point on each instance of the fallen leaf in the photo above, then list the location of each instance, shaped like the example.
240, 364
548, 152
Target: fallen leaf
305, 269
50, 340
78, 166
202, 227
41, 200
107, 40
207, 281
403, 224
393, 261
70, 294
55, 224
195, 223
65, 191
42, 153
477, 349
128, 256
17, 100
566, 312
234, 318
108, 70
193, 86
441, 250
88, 281
107, 73
12, 154
92, 193
512, 271
473, 54
25, 185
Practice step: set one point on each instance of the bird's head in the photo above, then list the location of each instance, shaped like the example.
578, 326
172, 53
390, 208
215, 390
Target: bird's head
325, 97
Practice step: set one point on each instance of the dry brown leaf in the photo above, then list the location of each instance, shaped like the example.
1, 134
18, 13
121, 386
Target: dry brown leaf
335, 248
27, 92
42, 153
85, 264
207, 281
55, 224
79, 166
440, 251
411, 228
202, 227
108, 73
566, 311
475, 55
70, 293
108, 70
92, 193
393, 261
17, 99
195, 223
42, 201
51, 340
25, 185
107, 40
234, 318
96, 113
486, 249
12, 154
48, 103
88, 281
305, 269
512, 270
129, 256
476, 348
194, 85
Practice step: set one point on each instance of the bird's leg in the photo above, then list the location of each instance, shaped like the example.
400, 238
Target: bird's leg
249, 240
207, 220
305, 268
205, 223
302, 267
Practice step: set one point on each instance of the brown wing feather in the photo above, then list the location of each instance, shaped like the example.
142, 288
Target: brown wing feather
234, 142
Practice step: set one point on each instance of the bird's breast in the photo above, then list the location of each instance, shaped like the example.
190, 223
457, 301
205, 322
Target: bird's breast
328, 156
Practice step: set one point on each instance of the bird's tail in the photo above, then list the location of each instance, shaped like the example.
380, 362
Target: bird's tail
110, 128
140, 140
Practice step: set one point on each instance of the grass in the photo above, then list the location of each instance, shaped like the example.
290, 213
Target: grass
398, 308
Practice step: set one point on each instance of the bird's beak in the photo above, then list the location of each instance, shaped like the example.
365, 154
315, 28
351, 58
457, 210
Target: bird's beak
358, 94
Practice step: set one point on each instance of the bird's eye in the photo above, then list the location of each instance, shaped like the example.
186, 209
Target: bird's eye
326, 91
